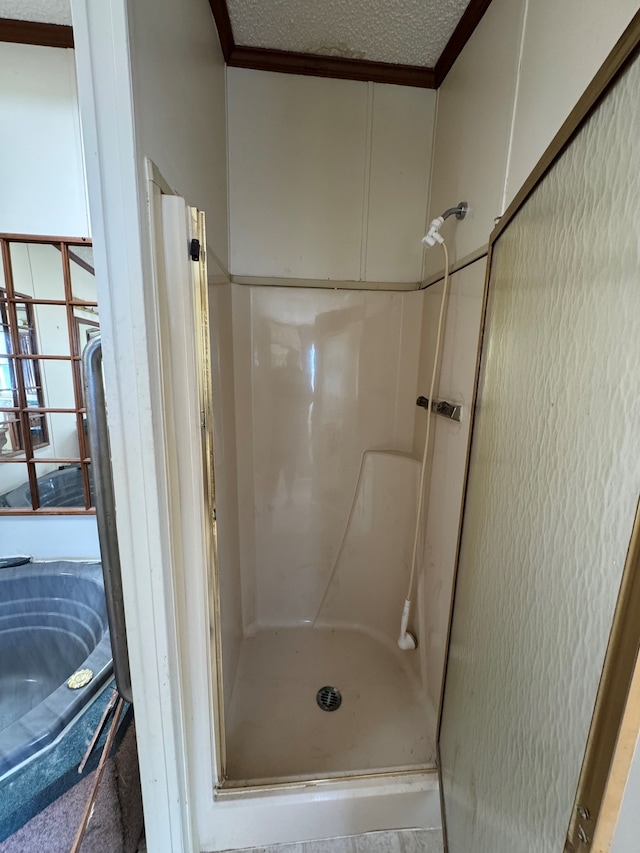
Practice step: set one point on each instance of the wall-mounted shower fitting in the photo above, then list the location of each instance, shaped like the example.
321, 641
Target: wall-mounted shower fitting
433, 235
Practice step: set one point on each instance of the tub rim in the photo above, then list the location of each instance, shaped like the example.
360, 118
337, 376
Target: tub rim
27, 736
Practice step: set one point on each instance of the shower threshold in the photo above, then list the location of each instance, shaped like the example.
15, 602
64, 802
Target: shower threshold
277, 735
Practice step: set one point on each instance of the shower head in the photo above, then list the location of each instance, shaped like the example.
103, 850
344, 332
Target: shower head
433, 235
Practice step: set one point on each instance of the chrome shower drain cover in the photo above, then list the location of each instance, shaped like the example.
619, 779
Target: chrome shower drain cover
329, 698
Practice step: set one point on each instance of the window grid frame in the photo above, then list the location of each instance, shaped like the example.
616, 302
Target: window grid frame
11, 300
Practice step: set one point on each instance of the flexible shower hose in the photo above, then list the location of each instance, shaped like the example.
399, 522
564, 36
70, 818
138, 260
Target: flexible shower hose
406, 641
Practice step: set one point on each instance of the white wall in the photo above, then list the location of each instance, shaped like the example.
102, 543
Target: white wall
179, 89
328, 179
505, 98
43, 192
152, 85
41, 163
51, 537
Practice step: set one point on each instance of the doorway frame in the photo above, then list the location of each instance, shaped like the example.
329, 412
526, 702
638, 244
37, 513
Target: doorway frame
129, 303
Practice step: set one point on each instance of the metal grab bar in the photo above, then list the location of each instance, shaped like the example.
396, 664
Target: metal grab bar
452, 411
93, 383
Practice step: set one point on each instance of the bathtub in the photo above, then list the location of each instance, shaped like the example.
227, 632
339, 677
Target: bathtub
53, 622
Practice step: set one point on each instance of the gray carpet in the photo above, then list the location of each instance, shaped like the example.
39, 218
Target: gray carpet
116, 823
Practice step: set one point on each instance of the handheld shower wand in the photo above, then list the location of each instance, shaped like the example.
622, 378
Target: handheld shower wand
406, 640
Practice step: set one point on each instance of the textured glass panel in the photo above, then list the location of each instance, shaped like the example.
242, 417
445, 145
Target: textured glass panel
552, 494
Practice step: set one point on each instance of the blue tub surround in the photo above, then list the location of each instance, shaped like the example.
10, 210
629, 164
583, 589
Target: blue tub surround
53, 622
34, 785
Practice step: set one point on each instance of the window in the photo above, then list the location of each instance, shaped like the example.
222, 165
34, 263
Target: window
20, 385
48, 311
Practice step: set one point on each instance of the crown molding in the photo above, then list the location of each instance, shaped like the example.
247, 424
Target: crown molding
313, 65
472, 16
32, 32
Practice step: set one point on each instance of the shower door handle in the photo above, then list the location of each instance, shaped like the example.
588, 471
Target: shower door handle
97, 429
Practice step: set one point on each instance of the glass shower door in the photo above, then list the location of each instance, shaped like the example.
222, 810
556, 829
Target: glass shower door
552, 494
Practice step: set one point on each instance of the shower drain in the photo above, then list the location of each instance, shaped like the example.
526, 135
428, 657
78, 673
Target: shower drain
329, 698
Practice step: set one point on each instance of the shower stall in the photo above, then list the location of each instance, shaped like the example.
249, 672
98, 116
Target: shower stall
318, 450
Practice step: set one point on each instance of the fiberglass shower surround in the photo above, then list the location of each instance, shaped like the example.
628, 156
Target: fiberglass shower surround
321, 378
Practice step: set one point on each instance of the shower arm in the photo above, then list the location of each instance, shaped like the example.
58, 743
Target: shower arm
460, 211
433, 235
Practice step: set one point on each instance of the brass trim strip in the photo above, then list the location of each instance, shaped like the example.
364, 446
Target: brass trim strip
619, 773
462, 264
214, 634
463, 502
323, 283
231, 789
611, 702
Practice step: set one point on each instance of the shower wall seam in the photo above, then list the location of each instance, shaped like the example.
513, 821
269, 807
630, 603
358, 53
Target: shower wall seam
514, 108
366, 188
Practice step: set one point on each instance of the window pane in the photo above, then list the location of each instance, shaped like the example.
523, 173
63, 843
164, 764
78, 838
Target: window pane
83, 282
49, 324
10, 434
14, 485
57, 384
63, 436
37, 270
8, 390
87, 324
5, 339
39, 429
60, 485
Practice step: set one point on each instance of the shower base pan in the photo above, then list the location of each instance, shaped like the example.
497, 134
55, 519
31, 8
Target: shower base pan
276, 730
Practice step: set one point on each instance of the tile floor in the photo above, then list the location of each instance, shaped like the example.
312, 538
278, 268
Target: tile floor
402, 841
380, 724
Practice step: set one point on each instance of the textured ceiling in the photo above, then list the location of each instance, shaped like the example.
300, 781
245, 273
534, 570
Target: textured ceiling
411, 32
43, 11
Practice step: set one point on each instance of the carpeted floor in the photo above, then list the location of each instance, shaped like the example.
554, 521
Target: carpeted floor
116, 824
